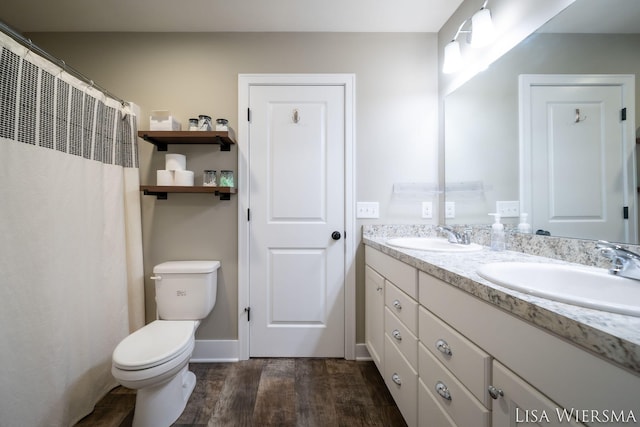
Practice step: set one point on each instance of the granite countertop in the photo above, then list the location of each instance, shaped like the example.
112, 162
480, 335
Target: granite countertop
614, 337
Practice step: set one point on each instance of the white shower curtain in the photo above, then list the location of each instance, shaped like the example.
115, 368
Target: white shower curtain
71, 277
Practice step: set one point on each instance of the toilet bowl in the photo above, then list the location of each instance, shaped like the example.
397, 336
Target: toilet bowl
154, 359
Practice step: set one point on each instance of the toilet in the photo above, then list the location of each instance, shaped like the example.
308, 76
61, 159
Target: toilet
154, 359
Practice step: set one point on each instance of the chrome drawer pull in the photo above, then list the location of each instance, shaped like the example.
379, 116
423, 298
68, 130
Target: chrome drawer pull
396, 379
495, 393
397, 304
396, 334
443, 347
443, 391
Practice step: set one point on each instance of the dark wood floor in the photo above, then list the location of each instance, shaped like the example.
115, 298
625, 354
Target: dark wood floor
272, 392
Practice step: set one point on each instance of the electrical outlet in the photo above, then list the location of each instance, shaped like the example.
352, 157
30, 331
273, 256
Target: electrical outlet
509, 209
427, 210
368, 210
450, 209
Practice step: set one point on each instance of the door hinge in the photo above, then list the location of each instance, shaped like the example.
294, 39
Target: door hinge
248, 214
248, 311
625, 212
249, 115
623, 114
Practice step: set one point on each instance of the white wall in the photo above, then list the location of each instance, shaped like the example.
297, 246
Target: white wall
196, 73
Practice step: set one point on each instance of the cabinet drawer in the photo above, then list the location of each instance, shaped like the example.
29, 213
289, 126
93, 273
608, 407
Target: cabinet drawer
463, 408
402, 305
464, 359
402, 381
430, 413
406, 342
402, 275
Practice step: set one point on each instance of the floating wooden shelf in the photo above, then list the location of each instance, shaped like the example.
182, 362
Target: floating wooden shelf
162, 138
161, 191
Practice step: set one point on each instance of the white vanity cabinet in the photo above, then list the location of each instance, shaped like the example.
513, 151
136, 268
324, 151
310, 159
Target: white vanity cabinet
452, 359
399, 311
533, 369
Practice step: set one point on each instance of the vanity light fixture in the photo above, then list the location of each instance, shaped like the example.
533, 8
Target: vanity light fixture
482, 30
481, 34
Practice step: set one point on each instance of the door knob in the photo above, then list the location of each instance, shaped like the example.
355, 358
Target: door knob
336, 235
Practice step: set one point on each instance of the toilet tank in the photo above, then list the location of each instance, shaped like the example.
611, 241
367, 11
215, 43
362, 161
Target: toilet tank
186, 290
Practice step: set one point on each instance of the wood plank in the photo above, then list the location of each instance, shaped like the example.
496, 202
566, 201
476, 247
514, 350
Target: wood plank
314, 396
237, 399
275, 402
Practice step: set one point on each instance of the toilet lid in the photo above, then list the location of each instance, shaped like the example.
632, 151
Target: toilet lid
154, 344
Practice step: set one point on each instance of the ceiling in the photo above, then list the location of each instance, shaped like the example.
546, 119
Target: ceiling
228, 15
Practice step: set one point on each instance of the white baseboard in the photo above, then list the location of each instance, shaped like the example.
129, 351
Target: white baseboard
362, 354
211, 351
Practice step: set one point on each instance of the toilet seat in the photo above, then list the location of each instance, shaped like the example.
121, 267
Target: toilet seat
155, 355
154, 344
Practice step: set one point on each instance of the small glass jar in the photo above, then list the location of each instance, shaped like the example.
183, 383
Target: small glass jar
221, 125
209, 178
193, 124
204, 123
226, 179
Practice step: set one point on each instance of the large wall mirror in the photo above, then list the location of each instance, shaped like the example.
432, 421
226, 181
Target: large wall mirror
484, 158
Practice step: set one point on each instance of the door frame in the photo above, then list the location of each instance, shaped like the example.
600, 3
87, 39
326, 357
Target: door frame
347, 81
626, 82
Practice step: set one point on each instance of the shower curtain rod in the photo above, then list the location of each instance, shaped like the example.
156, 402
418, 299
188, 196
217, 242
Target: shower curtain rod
26, 42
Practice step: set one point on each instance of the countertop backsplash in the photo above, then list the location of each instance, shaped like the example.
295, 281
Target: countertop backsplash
561, 248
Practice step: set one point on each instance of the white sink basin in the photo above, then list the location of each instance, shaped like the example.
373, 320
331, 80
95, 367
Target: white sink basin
592, 288
434, 244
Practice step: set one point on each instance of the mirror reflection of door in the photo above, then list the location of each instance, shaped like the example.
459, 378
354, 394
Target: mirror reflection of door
574, 132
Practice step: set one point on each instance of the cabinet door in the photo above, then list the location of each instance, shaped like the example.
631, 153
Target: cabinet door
374, 316
521, 404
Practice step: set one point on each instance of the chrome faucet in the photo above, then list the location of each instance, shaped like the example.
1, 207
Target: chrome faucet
455, 237
624, 263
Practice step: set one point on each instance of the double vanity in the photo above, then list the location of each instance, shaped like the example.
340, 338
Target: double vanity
464, 336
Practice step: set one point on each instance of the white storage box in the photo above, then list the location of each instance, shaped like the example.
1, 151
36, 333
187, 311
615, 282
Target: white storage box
163, 120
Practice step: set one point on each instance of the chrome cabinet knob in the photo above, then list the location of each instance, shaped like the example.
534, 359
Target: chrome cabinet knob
396, 379
443, 390
397, 304
495, 393
396, 334
443, 347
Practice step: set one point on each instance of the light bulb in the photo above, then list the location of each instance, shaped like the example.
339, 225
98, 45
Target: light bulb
482, 29
452, 57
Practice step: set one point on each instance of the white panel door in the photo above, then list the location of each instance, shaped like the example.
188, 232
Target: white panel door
578, 183
297, 223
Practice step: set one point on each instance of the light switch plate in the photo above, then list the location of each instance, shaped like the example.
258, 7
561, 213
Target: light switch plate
427, 210
450, 209
508, 209
367, 210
